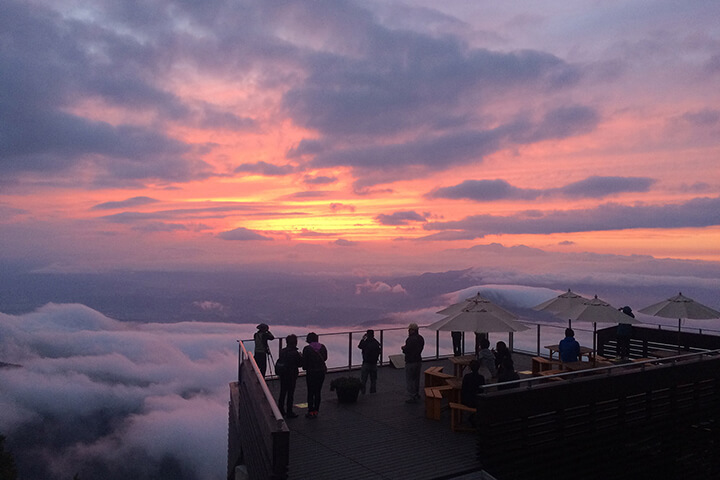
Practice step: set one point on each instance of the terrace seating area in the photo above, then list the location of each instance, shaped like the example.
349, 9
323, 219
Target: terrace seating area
562, 418
381, 436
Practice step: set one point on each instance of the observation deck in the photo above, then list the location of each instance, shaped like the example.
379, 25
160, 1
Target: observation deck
654, 418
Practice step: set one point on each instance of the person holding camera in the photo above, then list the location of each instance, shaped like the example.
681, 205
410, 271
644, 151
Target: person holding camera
262, 337
370, 353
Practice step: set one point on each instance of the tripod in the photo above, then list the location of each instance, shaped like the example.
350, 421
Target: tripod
271, 365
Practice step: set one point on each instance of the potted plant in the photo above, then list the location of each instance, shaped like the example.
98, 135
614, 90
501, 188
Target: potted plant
346, 388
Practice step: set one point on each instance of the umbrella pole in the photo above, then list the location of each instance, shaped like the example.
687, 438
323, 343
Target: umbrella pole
594, 343
679, 334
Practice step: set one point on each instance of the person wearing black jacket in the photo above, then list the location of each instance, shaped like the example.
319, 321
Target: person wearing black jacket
261, 338
412, 349
370, 353
314, 357
286, 367
472, 385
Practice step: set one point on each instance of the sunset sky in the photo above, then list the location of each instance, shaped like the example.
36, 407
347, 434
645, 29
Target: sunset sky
368, 134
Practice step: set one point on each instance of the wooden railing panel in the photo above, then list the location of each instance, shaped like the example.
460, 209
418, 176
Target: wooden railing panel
258, 436
645, 340
633, 420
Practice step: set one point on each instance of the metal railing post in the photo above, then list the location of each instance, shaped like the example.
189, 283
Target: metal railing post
240, 360
382, 347
349, 350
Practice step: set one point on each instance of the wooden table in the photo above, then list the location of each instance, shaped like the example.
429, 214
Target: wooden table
584, 352
460, 363
456, 392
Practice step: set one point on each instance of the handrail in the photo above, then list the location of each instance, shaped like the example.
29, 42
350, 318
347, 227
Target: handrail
531, 382
644, 420
381, 337
437, 345
266, 391
258, 436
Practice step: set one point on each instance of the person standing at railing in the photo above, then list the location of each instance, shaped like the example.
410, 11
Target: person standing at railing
624, 334
262, 337
314, 357
286, 368
370, 353
412, 349
457, 343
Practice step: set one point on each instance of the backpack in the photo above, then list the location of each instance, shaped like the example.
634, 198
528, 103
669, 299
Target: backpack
279, 367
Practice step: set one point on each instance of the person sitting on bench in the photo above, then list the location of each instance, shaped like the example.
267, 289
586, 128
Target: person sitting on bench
472, 384
569, 348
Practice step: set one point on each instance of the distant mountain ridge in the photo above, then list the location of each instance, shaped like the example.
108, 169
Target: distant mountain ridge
301, 299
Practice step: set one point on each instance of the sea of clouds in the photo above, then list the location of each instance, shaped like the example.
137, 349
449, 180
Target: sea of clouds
106, 399
84, 394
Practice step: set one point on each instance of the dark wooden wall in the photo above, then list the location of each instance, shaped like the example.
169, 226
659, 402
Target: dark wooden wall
645, 340
656, 423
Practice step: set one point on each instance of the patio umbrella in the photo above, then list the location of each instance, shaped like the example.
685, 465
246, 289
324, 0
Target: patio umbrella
596, 311
478, 302
561, 303
681, 307
477, 320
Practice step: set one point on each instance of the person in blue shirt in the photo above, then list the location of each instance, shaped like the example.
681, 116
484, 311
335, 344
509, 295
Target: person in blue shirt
569, 348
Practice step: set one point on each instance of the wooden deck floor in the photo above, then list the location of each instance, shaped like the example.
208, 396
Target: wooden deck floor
380, 436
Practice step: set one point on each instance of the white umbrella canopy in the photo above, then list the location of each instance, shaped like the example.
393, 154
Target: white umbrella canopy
598, 311
561, 303
595, 311
478, 302
681, 307
477, 320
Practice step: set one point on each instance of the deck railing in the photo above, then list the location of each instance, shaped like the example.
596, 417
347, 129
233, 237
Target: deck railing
344, 354
660, 421
646, 340
258, 437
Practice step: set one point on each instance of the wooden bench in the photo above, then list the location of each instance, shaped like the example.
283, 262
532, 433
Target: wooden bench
456, 414
601, 361
550, 373
642, 359
542, 364
434, 377
663, 353
433, 401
